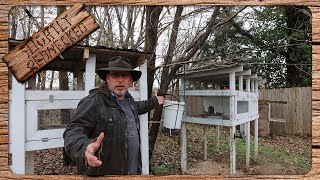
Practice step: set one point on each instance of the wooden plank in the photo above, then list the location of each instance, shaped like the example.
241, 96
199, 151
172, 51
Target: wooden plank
183, 146
56, 95
315, 25
297, 112
308, 107
38, 95
218, 139
277, 120
86, 54
301, 104
207, 73
44, 46
205, 142
206, 121
247, 146
315, 84
18, 136
315, 130
90, 73
38, 145
288, 111
232, 151
207, 93
256, 139
144, 145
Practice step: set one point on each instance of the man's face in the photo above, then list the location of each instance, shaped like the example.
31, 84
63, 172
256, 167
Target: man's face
119, 82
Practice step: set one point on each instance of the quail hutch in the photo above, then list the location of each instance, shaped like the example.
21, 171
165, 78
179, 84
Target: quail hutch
230, 98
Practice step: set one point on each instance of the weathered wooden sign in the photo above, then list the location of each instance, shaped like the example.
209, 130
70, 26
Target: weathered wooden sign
44, 46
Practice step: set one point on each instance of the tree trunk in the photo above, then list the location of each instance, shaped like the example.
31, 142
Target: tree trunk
43, 80
85, 41
63, 83
51, 80
29, 24
294, 23
294, 20
13, 27
152, 20
153, 134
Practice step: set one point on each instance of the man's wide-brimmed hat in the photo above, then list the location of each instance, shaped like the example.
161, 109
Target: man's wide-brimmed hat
119, 63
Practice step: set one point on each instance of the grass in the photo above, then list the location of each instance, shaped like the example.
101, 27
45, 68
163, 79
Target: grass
286, 159
164, 169
268, 155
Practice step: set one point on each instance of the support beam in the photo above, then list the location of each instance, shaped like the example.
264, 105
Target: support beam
248, 85
183, 142
213, 72
183, 133
252, 86
80, 83
90, 73
217, 138
269, 116
247, 146
86, 54
256, 122
232, 151
232, 81
144, 136
244, 73
252, 76
205, 142
256, 86
18, 136
241, 83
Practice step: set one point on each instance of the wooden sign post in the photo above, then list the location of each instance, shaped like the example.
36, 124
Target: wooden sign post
44, 46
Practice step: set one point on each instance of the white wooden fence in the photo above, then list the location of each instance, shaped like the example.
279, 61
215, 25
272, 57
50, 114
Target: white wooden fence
24, 134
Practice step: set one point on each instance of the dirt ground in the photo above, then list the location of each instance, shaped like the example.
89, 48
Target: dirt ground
269, 162
166, 158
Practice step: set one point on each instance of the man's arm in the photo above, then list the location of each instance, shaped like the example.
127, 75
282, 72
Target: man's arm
148, 105
77, 133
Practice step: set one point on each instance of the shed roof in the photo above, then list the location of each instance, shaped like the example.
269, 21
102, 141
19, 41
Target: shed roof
218, 73
74, 56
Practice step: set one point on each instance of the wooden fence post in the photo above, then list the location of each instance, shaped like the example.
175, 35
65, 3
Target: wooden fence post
90, 73
144, 121
18, 123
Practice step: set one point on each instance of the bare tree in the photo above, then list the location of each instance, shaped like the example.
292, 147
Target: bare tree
151, 39
189, 51
12, 17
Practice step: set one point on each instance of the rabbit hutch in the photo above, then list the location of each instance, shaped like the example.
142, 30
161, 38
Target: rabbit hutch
38, 115
230, 99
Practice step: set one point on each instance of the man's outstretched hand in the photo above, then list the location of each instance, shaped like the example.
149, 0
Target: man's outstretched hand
92, 160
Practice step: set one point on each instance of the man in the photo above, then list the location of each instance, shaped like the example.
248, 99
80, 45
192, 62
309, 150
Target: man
103, 136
